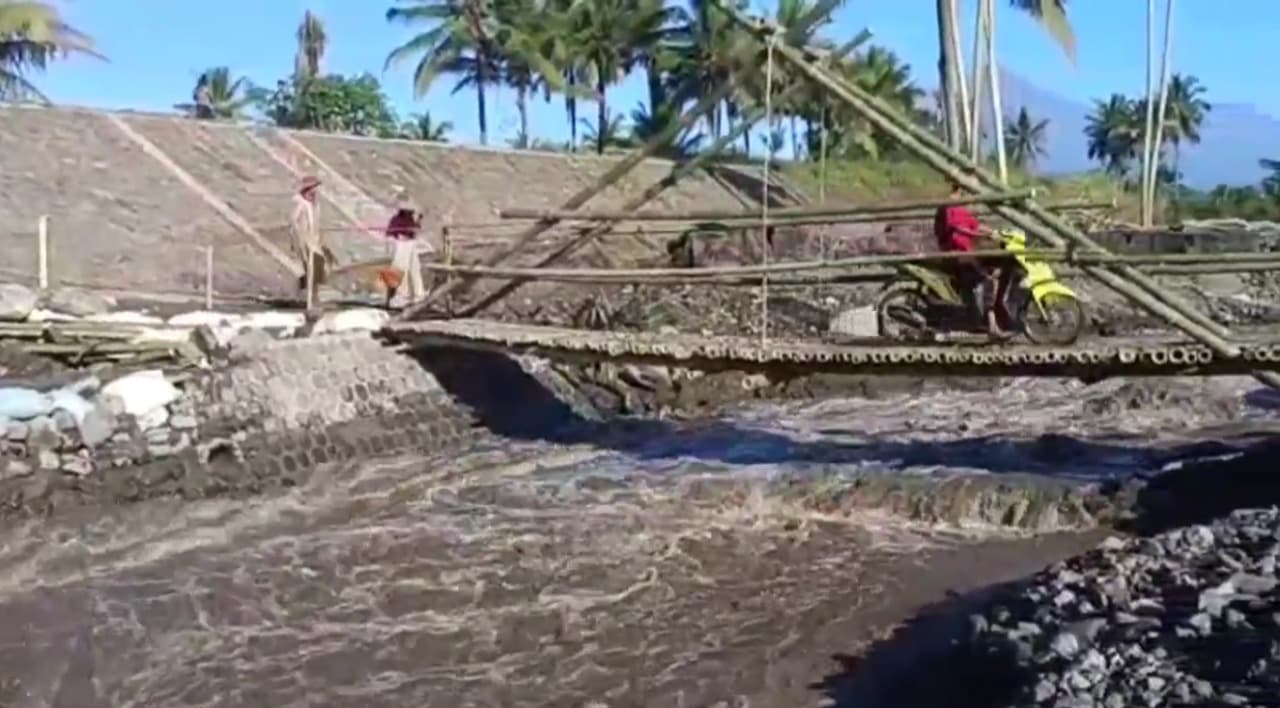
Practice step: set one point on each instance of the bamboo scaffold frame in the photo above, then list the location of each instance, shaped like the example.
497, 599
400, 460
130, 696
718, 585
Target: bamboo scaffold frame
1031, 217
665, 137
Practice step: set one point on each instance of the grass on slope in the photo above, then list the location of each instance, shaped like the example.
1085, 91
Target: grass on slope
879, 181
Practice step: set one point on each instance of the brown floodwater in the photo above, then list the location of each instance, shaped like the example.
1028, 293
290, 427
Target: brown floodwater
667, 571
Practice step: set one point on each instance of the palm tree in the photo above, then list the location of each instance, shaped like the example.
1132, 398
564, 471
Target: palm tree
32, 34
312, 42
1271, 183
228, 98
1025, 139
1052, 15
1184, 113
614, 36
1114, 132
647, 123
423, 127
459, 41
612, 133
708, 50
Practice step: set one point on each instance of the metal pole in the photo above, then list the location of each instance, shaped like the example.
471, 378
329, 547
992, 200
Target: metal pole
208, 277
1153, 167
1148, 128
997, 110
42, 250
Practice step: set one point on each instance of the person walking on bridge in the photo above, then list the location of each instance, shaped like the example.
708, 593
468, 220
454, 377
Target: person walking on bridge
307, 242
402, 230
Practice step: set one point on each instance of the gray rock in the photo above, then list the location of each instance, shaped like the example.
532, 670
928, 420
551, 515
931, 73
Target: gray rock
1233, 699
81, 303
182, 421
98, 425
1044, 691
1202, 623
77, 465
48, 459
1253, 584
17, 431
1112, 543
43, 434
16, 302
64, 420
1065, 645
158, 435
14, 469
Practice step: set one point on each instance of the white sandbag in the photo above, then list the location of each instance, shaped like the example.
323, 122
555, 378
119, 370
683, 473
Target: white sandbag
42, 315
274, 319
24, 403
203, 317
363, 319
176, 335
71, 402
16, 302
127, 317
142, 392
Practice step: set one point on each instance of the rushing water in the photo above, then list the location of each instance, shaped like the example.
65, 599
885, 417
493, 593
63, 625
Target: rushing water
645, 570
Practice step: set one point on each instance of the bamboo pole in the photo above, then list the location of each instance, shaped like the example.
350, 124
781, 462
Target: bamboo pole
946, 71
1145, 216
800, 211
42, 251
1153, 167
997, 110
706, 104
678, 172
980, 59
1211, 262
962, 95
1055, 232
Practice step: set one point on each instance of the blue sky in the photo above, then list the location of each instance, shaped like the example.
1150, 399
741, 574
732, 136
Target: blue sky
158, 47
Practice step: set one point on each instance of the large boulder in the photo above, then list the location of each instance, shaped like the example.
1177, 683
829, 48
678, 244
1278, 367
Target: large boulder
16, 302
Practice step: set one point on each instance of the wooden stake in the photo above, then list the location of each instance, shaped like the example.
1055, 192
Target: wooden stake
208, 277
42, 249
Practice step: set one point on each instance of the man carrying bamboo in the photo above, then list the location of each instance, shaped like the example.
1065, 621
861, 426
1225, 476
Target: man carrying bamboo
402, 231
308, 245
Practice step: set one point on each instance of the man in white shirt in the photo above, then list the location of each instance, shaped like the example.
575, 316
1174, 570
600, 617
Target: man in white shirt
308, 244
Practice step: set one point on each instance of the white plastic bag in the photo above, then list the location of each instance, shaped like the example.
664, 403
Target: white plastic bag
143, 395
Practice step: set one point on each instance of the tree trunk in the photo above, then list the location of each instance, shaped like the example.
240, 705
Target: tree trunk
795, 141
522, 107
481, 113
947, 74
571, 107
602, 115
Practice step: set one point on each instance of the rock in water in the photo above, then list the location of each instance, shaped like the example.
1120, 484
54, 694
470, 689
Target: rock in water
81, 303
16, 302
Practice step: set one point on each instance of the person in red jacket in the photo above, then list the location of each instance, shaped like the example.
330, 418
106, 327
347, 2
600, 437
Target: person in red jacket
983, 284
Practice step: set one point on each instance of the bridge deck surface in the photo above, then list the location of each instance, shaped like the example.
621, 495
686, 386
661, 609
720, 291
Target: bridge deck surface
1147, 356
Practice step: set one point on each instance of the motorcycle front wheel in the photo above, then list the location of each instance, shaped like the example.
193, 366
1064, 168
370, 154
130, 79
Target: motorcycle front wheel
1056, 320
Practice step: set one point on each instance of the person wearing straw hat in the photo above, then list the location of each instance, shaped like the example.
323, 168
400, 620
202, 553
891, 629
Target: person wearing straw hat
308, 244
405, 274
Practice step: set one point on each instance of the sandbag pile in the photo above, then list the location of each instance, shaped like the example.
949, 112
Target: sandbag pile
85, 426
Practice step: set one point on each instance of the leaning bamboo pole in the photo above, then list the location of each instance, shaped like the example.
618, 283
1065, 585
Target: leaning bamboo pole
678, 172
1153, 166
997, 107
980, 60
1036, 222
783, 213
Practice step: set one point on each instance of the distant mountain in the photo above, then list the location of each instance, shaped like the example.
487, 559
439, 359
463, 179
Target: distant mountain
1233, 137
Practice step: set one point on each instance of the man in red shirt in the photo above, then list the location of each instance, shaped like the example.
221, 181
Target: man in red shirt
982, 284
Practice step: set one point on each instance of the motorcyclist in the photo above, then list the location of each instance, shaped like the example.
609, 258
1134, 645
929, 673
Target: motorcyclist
983, 282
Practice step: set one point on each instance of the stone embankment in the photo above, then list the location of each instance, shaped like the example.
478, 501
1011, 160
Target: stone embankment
1187, 617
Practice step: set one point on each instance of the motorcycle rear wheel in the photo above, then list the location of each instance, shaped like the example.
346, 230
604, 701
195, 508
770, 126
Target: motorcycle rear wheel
900, 313
1058, 320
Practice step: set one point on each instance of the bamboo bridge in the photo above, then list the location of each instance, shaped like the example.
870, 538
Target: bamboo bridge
1199, 345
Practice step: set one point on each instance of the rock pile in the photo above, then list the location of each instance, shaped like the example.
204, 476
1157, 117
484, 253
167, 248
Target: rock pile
84, 426
1190, 617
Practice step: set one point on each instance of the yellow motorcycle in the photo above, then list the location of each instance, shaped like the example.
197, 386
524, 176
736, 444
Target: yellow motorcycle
924, 305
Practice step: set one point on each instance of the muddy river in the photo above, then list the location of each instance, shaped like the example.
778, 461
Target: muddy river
660, 568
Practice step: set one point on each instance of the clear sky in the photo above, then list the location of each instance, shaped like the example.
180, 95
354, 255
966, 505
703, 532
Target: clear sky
158, 47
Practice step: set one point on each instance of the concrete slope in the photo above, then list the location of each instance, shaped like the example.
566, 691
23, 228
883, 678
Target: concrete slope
133, 199
117, 217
